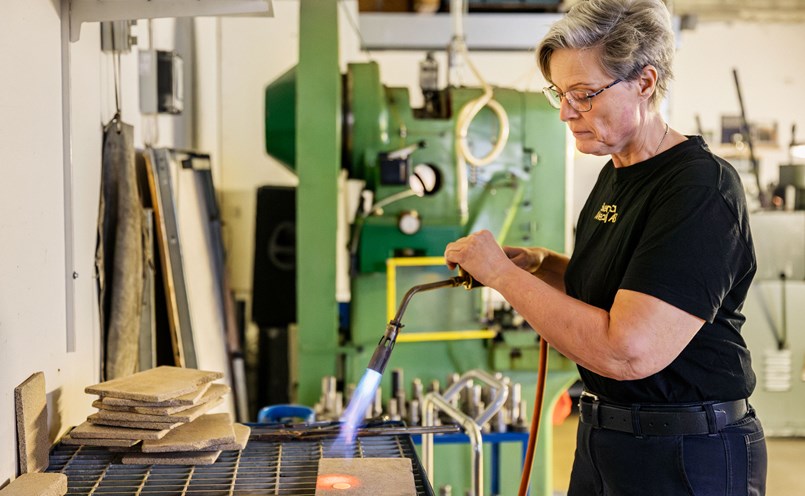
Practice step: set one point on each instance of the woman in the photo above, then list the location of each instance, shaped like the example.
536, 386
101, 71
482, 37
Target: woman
649, 304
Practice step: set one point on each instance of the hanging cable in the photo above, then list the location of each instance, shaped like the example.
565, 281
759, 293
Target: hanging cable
117, 83
467, 114
525, 80
354, 26
151, 121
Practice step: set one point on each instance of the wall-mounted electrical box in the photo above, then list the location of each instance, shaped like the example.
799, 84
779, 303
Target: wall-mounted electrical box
160, 82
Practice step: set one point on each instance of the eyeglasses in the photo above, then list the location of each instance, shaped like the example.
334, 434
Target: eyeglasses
580, 100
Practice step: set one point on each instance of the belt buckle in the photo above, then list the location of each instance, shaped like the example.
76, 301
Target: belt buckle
585, 393
721, 420
716, 419
594, 401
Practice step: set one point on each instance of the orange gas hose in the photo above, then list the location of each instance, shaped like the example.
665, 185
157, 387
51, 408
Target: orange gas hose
542, 371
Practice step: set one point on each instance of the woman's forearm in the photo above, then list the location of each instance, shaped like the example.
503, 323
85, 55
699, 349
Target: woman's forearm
552, 270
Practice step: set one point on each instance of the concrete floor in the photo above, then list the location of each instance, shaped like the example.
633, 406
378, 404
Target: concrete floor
786, 475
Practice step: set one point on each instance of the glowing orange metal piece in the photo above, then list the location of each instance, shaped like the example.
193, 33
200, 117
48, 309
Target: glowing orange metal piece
337, 481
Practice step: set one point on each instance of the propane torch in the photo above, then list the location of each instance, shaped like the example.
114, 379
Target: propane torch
365, 391
384, 348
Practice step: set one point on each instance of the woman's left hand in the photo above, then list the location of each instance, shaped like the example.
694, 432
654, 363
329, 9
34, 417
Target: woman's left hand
478, 254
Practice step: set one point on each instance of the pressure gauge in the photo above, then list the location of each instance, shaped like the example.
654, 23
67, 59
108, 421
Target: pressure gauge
409, 222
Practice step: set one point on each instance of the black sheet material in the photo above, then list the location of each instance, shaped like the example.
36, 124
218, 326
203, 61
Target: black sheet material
119, 252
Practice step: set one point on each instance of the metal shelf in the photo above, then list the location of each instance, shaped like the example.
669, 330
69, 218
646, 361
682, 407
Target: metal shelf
390, 31
119, 10
282, 466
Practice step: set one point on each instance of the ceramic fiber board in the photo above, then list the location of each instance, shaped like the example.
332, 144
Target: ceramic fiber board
212, 393
37, 484
154, 426
365, 477
185, 416
31, 405
91, 431
190, 399
108, 443
242, 433
184, 458
150, 410
200, 434
155, 385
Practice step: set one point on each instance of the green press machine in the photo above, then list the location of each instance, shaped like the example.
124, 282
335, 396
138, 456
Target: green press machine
418, 196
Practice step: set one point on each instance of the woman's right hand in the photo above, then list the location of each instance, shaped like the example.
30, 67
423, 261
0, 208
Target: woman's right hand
529, 259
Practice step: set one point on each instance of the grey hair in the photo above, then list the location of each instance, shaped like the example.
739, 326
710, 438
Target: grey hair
631, 34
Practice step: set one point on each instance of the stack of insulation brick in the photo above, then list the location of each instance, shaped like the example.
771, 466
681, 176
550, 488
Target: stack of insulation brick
160, 416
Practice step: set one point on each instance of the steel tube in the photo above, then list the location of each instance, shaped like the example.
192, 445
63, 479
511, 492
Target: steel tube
447, 283
472, 426
473, 431
501, 392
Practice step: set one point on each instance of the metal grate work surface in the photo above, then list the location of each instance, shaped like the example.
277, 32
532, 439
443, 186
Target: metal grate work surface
287, 467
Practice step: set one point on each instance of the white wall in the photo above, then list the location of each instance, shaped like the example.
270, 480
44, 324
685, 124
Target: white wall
254, 52
32, 255
768, 58
33, 270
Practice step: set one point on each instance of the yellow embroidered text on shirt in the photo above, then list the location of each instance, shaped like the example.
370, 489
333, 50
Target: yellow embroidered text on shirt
608, 213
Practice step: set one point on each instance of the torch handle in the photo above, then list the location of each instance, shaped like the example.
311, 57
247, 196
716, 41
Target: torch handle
465, 279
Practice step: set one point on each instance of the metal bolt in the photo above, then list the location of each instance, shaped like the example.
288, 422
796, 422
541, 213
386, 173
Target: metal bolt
521, 425
417, 389
413, 413
378, 406
394, 413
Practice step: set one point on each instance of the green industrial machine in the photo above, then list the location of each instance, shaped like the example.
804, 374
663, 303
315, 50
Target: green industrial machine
419, 195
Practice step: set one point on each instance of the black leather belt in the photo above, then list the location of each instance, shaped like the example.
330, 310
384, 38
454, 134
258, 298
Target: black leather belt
671, 420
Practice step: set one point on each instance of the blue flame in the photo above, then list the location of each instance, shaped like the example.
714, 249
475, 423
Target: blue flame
356, 411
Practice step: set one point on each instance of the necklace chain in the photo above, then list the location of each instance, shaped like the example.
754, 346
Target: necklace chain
663, 139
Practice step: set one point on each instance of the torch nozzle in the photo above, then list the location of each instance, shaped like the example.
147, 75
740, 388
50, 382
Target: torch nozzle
384, 348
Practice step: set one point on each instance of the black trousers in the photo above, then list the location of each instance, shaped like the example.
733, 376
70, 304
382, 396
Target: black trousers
729, 463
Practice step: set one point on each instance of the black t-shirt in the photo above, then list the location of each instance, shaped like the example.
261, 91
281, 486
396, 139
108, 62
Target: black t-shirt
674, 227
